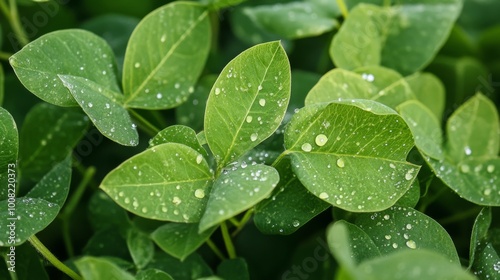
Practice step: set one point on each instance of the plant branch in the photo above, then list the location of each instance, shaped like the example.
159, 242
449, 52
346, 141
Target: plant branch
343, 8
227, 241
15, 23
216, 250
5, 56
460, 216
243, 222
52, 259
144, 124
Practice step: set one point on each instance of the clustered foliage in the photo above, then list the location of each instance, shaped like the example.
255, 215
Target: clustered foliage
363, 135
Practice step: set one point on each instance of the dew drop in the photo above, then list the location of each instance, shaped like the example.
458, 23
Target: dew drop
387, 217
249, 119
411, 244
144, 210
176, 200
408, 226
321, 140
391, 165
177, 85
199, 193
340, 163
306, 147
487, 191
467, 150
159, 95
408, 176
464, 168
253, 137
260, 87
199, 158
163, 38
295, 223
388, 237
90, 105
262, 102
394, 245
490, 168
164, 209
323, 195
217, 91
137, 65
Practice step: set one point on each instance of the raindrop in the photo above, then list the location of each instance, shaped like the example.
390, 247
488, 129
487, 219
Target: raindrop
464, 168
107, 106
199, 158
137, 65
490, 168
249, 119
306, 147
144, 210
408, 175
487, 192
90, 105
321, 140
177, 85
394, 245
163, 38
199, 193
340, 163
388, 237
253, 137
323, 195
217, 91
467, 150
176, 200
387, 217
391, 165
159, 95
164, 209
262, 102
260, 87
411, 244
295, 223
43, 142
408, 226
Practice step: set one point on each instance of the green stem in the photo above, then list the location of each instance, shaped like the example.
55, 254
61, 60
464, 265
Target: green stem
159, 119
70, 207
52, 259
5, 56
145, 124
234, 222
5, 10
243, 222
15, 22
227, 241
343, 8
216, 250
460, 216
387, 3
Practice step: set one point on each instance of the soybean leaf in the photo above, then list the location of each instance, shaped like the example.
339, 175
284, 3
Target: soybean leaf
373, 35
140, 246
66, 52
29, 259
179, 134
192, 112
429, 90
8, 153
101, 268
193, 267
412, 265
424, 126
47, 136
234, 269
473, 131
108, 242
163, 63
104, 109
220, 4
180, 240
248, 30
152, 274
479, 233
167, 182
352, 3
411, 197
296, 19
248, 101
487, 263
39, 207
2, 84
290, 207
103, 213
330, 143
236, 190
400, 228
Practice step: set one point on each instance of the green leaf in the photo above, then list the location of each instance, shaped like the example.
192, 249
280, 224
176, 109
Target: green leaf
411, 197
2, 84
429, 90
413, 265
167, 182
140, 246
234, 269
101, 268
178, 134
248, 101
193, 267
47, 136
487, 263
400, 228
104, 109
248, 30
330, 143
290, 207
479, 233
152, 274
192, 112
103, 213
66, 52
39, 207
220, 4
236, 190
424, 126
180, 240
29, 259
298, 19
8, 153
163, 63
473, 131
373, 35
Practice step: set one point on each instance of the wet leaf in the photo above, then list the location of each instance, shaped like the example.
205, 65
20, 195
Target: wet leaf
236, 190
429, 90
9, 141
479, 233
487, 263
178, 134
104, 110
167, 182
330, 143
101, 268
180, 240
192, 112
234, 269
152, 274
140, 246
163, 63
248, 101
71, 52
2, 83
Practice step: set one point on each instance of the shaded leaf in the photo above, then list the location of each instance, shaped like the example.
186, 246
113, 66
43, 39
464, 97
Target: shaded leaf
167, 182
103, 213
8, 152
2, 84
248, 101
192, 112
429, 90
65, 52
178, 134
152, 274
163, 63
141, 248
101, 268
487, 263
234, 269
193, 267
479, 233
330, 143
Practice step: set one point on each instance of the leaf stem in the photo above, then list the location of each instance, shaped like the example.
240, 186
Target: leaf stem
70, 207
15, 23
5, 56
243, 222
216, 250
387, 3
460, 216
52, 259
343, 8
227, 241
144, 124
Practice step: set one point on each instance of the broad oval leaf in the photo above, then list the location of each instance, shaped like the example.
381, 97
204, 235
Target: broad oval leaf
330, 143
101, 268
39, 207
104, 109
290, 207
236, 190
178, 134
248, 101
8, 152
2, 82
479, 233
48, 135
167, 182
66, 52
180, 240
140, 246
429, 90
162, 63
152, 274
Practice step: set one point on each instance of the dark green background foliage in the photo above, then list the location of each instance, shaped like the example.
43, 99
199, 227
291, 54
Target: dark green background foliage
259, 139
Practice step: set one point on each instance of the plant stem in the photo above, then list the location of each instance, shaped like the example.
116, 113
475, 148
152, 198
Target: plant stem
70, 207
216, 250
460, 216
15, 22
149, 128
243, 222
227, 241
387, 3
5, 9
5, 56
343, 8
52, 259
